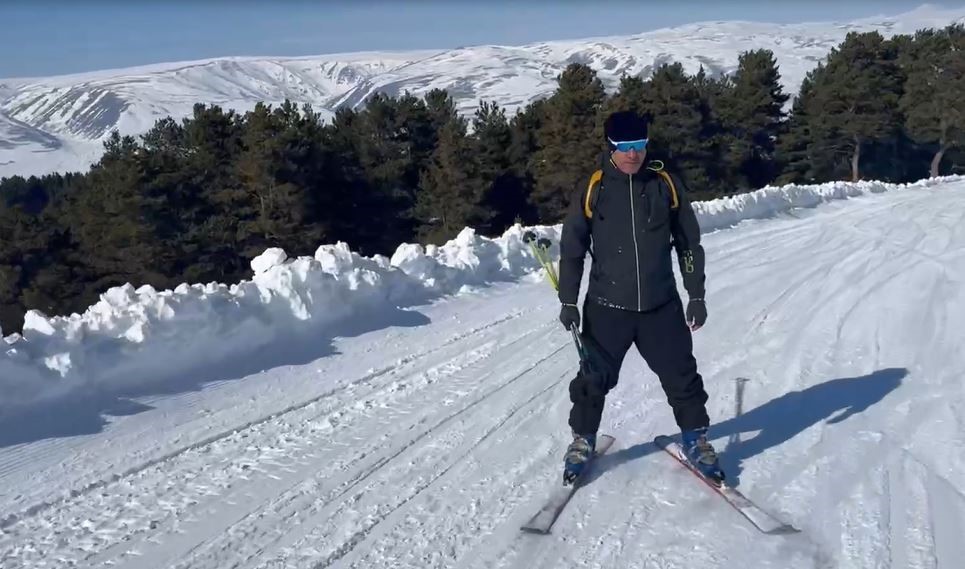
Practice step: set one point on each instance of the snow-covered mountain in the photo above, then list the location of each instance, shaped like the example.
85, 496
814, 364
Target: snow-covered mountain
56, 123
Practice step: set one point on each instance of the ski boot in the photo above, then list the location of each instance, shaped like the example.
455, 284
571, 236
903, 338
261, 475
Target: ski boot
578, 454
702, 456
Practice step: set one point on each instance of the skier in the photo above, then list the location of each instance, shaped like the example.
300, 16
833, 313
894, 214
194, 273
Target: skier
634, 214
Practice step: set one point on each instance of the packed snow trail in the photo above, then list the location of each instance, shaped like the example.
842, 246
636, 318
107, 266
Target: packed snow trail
428, 443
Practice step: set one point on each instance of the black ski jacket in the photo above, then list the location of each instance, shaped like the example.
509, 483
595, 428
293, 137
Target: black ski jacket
630, 235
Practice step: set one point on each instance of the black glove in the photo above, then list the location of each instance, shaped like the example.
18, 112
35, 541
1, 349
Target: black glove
570, 316
696, 313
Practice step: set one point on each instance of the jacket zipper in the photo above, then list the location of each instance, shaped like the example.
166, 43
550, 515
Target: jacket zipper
636, 250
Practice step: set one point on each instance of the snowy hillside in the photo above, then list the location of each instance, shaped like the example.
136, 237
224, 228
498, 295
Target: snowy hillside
424, 435
78, 111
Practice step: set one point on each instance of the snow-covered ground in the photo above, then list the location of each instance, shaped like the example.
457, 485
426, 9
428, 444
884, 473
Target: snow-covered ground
423, 436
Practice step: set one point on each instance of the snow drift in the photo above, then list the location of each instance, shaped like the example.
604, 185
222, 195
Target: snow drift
134, 337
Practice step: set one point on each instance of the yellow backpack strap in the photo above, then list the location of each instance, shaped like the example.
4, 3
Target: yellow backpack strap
594, 181
674, 202
657, 166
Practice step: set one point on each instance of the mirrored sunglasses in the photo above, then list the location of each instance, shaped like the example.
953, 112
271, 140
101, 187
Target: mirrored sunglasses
628, 145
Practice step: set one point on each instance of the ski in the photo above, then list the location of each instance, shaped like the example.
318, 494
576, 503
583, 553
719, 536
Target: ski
543, 520
762, 520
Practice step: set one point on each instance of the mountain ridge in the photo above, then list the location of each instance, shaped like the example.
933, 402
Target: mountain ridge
51, 123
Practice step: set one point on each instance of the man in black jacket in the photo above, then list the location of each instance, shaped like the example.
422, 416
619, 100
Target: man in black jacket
630, 217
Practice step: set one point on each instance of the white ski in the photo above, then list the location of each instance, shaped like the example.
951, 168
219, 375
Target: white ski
762, 520
543, 520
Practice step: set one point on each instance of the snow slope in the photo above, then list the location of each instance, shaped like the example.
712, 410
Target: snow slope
426, 436
80, 110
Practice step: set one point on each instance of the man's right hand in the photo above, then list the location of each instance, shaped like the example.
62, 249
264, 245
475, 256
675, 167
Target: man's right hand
570, 316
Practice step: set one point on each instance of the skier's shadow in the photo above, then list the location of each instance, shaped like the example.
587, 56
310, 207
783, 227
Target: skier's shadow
780, 420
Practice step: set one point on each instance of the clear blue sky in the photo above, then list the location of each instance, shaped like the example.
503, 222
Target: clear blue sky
48, 37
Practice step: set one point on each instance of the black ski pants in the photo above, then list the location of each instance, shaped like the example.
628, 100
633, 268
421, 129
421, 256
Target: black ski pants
664, 341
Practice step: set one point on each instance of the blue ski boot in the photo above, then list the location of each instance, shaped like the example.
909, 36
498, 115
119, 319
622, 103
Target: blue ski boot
702, 456
577, 455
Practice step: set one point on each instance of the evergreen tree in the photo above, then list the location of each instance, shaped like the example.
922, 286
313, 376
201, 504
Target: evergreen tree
418, 127
308, 155
504, 193
441, 110
796, 164
18, 236
570, 140
525, 126
38, 264
212, 143
716, 141
856, 96
163, 156
751, 111
676, 132
932, 101
524, 142
360, 209
114, 220
384, 154
452, 191
273, 168
630, 96
53, 275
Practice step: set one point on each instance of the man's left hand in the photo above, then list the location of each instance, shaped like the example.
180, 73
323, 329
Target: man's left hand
696, 313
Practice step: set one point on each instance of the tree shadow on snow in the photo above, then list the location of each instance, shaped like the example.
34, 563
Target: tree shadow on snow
84, 412
780, 420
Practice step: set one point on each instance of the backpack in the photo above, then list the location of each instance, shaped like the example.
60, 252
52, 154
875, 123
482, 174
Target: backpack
655, 166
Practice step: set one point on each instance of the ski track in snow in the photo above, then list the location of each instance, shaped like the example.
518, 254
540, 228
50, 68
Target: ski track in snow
429, 446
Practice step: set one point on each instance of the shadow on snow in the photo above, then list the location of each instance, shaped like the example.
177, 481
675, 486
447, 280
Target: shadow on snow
780, 420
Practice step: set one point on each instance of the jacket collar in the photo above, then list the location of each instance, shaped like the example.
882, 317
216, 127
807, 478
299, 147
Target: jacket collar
610, 169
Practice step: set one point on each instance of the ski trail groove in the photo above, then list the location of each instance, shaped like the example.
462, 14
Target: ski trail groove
35, 509
360, 535
294, 510
203, 489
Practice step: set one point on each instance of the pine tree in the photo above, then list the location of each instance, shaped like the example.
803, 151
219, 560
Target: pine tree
676, 133
570, 140
271, 171
451, 192
524, 142
381, 141
856, 95
164, 156
629, 96
751, 110
525, 126
212, 139
114, 220
359, 208
716, 142
934, 63
308, 155
504, 193
418, 133
39, 268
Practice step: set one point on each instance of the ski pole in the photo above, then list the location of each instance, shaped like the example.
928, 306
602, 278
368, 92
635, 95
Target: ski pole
579, 342
540, 248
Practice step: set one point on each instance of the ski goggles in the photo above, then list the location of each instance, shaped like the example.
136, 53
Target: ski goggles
628, 145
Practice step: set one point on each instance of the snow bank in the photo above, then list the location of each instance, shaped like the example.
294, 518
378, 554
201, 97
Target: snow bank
135, 337
773, 200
